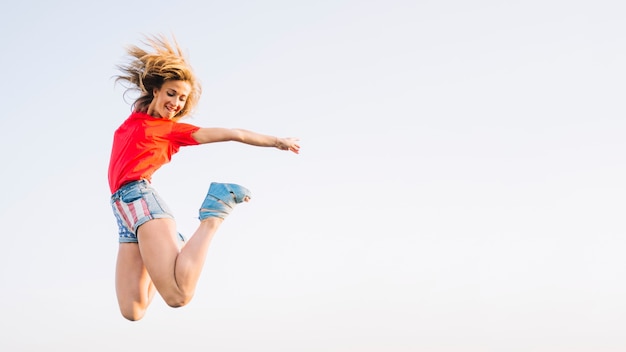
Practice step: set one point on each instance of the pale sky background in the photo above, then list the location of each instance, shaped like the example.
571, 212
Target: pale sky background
460, 186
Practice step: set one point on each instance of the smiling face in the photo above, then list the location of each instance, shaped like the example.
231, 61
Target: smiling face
169, 99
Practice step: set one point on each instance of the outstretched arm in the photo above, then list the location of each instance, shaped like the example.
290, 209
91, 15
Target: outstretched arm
212, 135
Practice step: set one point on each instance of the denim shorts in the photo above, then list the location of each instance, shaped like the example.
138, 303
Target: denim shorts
134, 204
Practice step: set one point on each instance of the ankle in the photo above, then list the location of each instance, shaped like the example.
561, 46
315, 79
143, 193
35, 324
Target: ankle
211, 222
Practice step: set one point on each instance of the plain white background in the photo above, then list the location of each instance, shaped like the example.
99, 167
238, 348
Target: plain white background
460, 185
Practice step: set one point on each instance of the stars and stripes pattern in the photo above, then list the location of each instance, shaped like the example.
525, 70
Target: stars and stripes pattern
132, 212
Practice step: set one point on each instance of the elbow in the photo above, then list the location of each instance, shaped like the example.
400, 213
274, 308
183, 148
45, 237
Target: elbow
238, 135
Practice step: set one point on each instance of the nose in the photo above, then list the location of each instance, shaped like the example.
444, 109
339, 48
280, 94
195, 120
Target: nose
173, 101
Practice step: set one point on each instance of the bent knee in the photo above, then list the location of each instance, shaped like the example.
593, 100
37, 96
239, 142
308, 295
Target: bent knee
133, 314
178, 300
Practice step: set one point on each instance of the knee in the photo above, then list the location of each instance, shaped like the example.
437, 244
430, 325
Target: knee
177, 301
133, 314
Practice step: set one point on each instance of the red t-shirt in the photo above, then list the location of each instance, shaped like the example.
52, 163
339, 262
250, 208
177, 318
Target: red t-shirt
142, 144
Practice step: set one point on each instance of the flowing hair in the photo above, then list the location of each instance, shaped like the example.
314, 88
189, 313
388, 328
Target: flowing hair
147, 70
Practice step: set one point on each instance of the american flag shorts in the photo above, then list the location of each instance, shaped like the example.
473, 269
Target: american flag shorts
135, 203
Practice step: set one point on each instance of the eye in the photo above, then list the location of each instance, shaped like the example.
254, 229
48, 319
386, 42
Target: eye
171, 94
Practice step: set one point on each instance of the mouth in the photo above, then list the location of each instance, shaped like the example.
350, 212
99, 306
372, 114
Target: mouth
171, 109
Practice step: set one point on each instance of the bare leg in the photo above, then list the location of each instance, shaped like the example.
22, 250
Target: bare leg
174, 271
133, 285
159, 263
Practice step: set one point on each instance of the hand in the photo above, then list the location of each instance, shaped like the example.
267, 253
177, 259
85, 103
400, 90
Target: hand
288, 144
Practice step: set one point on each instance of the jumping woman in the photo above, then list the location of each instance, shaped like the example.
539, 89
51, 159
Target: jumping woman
152, 255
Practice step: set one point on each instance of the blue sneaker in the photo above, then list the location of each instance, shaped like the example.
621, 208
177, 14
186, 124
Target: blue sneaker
221, 200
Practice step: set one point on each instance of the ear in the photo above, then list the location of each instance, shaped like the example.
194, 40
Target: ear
155, 91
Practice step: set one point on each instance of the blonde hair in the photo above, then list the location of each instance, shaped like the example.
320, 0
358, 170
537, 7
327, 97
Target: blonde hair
149, 70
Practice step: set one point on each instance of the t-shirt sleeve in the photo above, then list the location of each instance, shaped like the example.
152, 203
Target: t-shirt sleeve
181, 134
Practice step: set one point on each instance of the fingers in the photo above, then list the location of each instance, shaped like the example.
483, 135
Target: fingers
295, 147
290, 144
